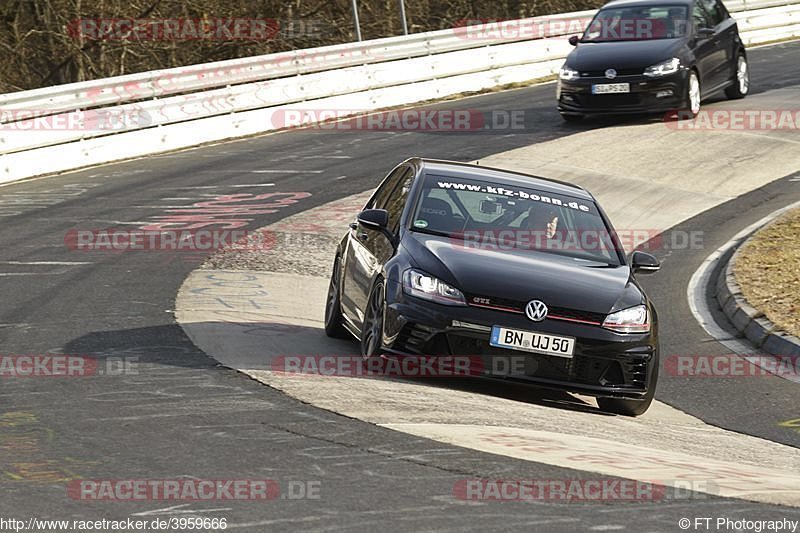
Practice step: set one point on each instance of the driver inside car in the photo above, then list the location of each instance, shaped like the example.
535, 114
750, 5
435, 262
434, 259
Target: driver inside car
542, 219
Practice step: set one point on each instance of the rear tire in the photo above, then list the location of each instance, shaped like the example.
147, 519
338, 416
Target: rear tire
333, 309
624, 407
372, 329
741, 80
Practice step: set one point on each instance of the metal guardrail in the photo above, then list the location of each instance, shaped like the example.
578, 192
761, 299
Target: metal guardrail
159, 83
357, 76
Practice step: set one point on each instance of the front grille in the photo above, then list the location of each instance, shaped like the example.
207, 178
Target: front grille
574, 314
602, 73
622, 371
609, 100
504, 303
554, 313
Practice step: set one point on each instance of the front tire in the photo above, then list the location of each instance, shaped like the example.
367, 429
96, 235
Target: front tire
372, 329
741, 80
333, 308
571, 118
625, 407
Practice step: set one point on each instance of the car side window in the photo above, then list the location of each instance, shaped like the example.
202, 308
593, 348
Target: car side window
381, 196
723, 10
700, 17
715, 14
397, 199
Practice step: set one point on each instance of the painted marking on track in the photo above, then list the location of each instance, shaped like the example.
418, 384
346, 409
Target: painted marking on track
178, 509
287, 171
791, 424
255, 185
59, 263
27, 449
18, 202
231, 211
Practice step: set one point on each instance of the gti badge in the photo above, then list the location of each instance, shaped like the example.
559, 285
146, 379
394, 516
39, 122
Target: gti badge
536, 310
611, 73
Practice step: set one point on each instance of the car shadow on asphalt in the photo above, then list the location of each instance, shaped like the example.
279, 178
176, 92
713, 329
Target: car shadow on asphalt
266, 346
165, 344
511, 390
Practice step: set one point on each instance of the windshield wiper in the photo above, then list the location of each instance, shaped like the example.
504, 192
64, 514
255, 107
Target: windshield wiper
432, 232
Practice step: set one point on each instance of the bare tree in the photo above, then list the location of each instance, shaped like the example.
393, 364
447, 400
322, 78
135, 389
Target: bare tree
45, 42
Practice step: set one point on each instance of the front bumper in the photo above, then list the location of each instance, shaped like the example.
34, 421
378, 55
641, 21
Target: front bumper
605, 363
648, 95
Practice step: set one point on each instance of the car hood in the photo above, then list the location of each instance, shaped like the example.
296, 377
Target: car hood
622, 55
524, 275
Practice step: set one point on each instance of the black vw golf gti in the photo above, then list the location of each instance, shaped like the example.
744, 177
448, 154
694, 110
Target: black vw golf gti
524, 274
639, 56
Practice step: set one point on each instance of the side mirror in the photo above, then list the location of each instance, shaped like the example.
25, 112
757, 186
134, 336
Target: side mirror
705, 33
644, 263
376, 219
574, 40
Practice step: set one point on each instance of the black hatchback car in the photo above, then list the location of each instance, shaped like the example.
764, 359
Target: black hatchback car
641, 56
451, 259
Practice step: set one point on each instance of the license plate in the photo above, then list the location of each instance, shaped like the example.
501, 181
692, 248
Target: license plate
611, 88
530, 341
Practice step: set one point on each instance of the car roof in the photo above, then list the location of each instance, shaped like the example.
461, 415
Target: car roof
647, 3
506, 177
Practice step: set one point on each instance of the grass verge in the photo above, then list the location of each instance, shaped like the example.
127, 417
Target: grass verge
768, 272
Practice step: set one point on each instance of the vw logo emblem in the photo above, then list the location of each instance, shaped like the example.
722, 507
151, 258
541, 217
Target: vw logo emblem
536, 310
611, 73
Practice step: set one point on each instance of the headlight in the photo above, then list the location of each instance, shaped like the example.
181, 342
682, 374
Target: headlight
631, 320
669, 66
568, 74
422, 285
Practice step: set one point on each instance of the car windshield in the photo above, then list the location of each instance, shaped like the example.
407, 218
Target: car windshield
492, 216
643, 23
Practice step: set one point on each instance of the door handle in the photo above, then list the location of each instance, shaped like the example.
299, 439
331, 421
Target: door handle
363, 236
353, 225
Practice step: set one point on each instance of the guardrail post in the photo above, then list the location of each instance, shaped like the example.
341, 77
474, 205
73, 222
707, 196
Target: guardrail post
355, 20
403, 16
